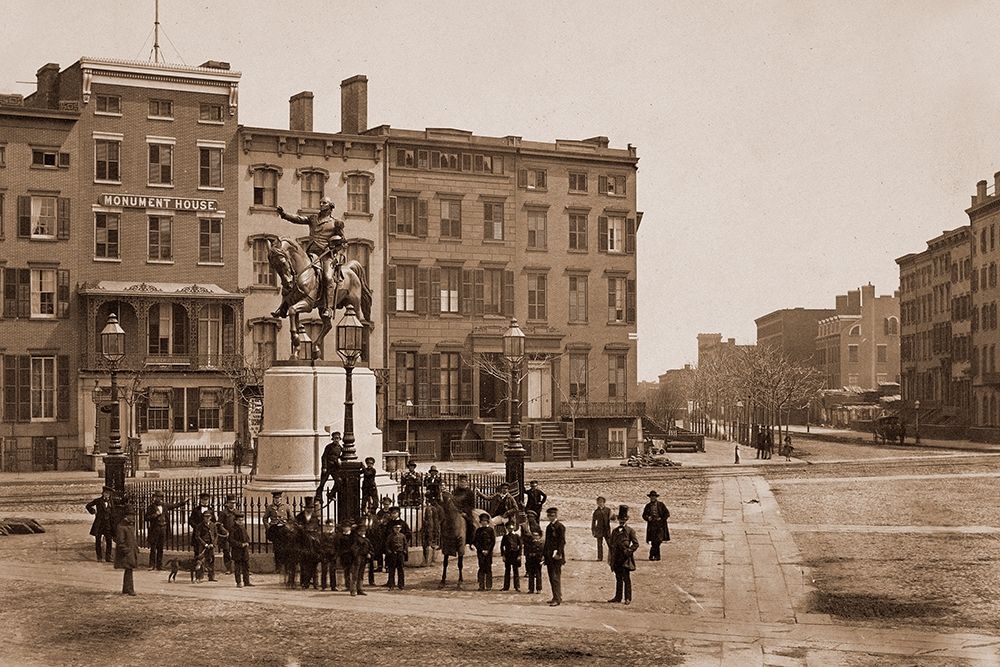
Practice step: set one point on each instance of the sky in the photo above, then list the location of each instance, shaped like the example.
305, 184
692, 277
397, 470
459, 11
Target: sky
789, 151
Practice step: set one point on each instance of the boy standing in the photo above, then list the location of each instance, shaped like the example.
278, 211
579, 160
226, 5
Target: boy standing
533, 551
395, 555
510, 551
600, 526
328, 548
535, 498
361, 551
345, 555
239, 549
369, 490
484, 541
622, 546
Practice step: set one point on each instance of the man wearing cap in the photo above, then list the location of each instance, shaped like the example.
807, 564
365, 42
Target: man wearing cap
411, 482
331, 465
504, 504
555, 556
432, 485
158, 527
277, 514
195, 520
226, 520
103, 527
239, 547
622, 545
511, 548
326, 238
535, 498
655, 514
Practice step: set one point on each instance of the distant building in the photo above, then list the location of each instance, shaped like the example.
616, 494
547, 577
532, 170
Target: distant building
711, 345
792, 332
984, 216
859, 346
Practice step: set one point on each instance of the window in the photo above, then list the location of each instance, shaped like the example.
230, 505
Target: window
536, 228
158, 411
161, 109
578, 376
611, 185
449, 383
616, 442
358, 192
215, 333
43, 217
536, 296
44, 158
451, 218
448, 161
106, 227
577, 231
855, 330
361, 252
616, 376
265, 187
484, 163
107, 160
210, 240
263, 274
43, 292
852, 354
43, 388
313, 185
403, 212
3, 208
109, 104
616, 234
160, 330
882, 353
209, 411
531, 179
210, 113
578, 298
891, 326
265, 335
209, 167
406, 377
405, 157
159, 238
3, 155
493, 291
161, 164
451, 280
616, 299
493, 221
577, 182
406, 282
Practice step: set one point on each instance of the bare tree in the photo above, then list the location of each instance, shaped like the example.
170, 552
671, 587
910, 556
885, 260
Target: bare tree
246, 377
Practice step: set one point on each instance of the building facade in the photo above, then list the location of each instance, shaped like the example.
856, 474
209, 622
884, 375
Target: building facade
858, 347
792, 332
984, 218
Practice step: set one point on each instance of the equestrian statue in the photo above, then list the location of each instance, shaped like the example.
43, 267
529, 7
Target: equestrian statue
317, 276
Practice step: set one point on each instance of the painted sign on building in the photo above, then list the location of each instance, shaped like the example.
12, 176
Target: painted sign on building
158, 202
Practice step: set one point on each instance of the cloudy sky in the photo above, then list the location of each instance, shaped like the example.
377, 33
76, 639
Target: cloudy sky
790, 151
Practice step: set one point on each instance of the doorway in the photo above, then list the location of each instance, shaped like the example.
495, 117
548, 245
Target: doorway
539, 390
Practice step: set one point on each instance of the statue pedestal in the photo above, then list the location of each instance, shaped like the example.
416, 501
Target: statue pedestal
301, 399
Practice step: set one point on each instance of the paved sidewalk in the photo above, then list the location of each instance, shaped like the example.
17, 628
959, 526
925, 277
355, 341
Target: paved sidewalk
848, 435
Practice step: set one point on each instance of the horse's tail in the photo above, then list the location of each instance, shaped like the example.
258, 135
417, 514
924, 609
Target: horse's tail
366, 292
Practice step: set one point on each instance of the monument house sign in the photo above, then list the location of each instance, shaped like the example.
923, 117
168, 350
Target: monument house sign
159, 202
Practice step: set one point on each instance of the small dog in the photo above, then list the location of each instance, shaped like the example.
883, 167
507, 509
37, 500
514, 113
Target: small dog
195, 566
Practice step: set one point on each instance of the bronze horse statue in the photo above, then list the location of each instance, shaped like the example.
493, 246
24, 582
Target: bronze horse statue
302, 290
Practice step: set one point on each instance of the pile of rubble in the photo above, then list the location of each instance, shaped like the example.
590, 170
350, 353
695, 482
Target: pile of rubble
18, 525
649, 461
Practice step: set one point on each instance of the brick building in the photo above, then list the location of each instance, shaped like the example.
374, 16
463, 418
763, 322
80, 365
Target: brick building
859, 346
935, 327
792, 331
984, 218
122, 174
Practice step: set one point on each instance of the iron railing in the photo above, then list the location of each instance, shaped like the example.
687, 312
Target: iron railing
603, 409
401, 411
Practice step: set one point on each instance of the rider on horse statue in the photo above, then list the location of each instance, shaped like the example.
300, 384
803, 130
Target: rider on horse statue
326, 240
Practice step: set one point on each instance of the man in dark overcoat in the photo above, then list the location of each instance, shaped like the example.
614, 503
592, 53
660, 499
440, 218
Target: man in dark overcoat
103, 528
535, 498
655, 514
195, 520
330, 460
158, 527
227, 518
555, 556
623, 544
126, 550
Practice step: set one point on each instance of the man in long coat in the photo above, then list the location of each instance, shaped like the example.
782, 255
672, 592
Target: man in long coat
655, 514
103, 528
126, 550
623, 544
158, 527
555, 556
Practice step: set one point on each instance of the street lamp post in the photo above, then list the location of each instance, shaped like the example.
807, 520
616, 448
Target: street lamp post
409, 409
113, 351
349, 338
916, 407
513, 351
739, 420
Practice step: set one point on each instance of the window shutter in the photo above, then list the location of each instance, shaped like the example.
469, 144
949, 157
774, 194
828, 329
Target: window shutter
400, 378
228, 331
228, 410
24, 216
62, 387
141, 416
9, 388
468, 292
64, 217
390, 289
24, 292
620, 186
434, 373
602, 233
465, 384
478, 277
630, 301
423, 390
422, 218
10, 293
435, 291
522, 178
602, 185
508, 293
64, 159
24, 388
193, 403
630, 236
392, 215
177, 408
423, 287
180, 337
62, 292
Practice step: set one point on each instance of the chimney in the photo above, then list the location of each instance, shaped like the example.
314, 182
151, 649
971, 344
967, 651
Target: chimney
854, 302
48, 83
980, 189
354, 105
300, 112
841, 306
867, 294
996, 183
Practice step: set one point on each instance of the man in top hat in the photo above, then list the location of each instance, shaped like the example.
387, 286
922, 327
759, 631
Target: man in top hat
312, 525
158, 527
555, 556
411, 483
464, 498
195, 520
432, 485
103, 528
226, 518
622, 545
331, 465
326, 238
534, 498
655, 514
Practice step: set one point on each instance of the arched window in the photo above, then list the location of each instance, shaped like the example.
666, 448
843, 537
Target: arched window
265, 336
216, 333
265, 184
166, 328
313, 186
855, 330
891, 326
263, 275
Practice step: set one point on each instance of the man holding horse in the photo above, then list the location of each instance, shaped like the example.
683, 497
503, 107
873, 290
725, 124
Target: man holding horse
326, 239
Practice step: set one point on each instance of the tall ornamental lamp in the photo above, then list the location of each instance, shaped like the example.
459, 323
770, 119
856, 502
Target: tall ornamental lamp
513, 352
113, 351
916, 408
350, 333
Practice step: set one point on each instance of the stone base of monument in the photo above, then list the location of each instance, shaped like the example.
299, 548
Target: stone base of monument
303, 402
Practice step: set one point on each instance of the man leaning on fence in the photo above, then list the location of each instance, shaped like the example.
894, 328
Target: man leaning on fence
158, 527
